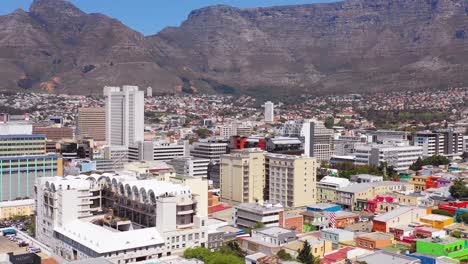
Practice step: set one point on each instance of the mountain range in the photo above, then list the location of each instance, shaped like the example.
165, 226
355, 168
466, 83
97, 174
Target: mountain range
351, 46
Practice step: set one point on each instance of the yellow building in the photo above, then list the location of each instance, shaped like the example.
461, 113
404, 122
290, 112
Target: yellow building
318, 247
437, 221
419, 182
242, 176
291, 180
11, 209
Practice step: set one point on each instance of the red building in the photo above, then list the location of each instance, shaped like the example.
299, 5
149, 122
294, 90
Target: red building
291, 221
373, 204
452, 207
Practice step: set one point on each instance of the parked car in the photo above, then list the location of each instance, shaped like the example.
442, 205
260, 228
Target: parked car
33, 250
23, 244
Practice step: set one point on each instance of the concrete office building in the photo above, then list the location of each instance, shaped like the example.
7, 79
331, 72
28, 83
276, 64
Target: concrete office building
444, 142
465, 143
92, 123
157, 150
209, 150
189, 166
21, 145
345, 145
11, 209
380, 136
318, 140
119, 218
124, 115
149, 92
54, 133
269, 112
292, 180
20, 127
242, 176
248, 214
400, 156
17, 174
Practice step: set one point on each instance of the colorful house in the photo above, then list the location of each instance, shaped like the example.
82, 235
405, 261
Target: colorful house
449, 247
425, 232
419, 182
324, 207
452, 207
436, 221
400, 216
374, 241
381, 204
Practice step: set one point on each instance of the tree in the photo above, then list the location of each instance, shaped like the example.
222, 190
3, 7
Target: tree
202, 132
458, 189
283, 255
442, 212
456, 233
305, 254
435, 160
329, 122
199, 253
462, 218
417, 165
257, 225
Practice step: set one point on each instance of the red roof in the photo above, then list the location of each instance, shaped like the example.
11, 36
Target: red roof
336, 256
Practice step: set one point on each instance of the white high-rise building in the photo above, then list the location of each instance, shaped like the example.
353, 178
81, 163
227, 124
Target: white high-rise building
318, 140
400, 156
149, 92
269, 111
124, 115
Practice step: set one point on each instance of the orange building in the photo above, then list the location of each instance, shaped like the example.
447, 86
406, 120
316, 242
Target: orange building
374, 241
344, 219
291, 221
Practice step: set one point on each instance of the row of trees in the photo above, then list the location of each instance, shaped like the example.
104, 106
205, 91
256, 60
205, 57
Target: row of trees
228, 254
458, 190
435, 160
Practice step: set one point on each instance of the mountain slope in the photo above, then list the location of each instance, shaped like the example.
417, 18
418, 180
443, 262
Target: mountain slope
356, 45
350, 46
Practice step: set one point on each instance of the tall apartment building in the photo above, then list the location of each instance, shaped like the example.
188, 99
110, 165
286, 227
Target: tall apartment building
189, 166
318, 140
18, 174
269, 112
157, 150
92, 123
117, 217
242, 176
291, 180
444, 142
124, 115
209, 150
399, 156
20, 145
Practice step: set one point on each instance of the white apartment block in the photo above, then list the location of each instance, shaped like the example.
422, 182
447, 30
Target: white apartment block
269, 112
465, 143
248, 214
120, 218
444, 142
157, 150
124, 115
190, 166
399, 156
291, 180
209, 150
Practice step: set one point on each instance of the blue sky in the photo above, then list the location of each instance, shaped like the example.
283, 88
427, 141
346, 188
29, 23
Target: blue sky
150, 16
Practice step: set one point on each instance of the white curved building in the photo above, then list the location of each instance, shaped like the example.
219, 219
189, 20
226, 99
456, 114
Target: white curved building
118, 217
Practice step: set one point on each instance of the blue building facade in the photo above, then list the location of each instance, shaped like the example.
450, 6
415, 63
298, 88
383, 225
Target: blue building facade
18, 174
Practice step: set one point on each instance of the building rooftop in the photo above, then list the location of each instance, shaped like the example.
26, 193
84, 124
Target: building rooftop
337, 231
273, 231
447, 240
102, 240
341, 182
322, 205
355, 188
382, 256
376, 236
259, 208
14, 203
435, 217
394, 213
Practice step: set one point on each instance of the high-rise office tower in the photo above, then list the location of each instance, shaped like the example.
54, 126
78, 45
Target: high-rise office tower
149, 92
92, 123
318, 140
269, 111
124, 115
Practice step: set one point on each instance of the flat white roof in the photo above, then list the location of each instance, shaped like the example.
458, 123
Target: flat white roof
102, 240
17, 203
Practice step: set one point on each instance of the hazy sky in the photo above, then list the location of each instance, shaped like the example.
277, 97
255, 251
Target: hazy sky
150, 16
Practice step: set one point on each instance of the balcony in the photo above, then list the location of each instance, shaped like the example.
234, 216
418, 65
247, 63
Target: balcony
185, 212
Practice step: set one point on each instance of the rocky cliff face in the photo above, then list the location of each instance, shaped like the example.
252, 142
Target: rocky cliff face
350, 46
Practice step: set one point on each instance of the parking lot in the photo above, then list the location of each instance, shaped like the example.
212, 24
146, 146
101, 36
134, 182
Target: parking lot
7, 246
